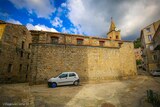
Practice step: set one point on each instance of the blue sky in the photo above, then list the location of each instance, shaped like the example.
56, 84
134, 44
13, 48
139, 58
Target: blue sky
87, 17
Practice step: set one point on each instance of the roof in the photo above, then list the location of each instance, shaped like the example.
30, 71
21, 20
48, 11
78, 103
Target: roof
112, 26
156, 33
78, 35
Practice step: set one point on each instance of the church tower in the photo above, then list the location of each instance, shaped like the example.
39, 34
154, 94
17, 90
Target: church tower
114, 33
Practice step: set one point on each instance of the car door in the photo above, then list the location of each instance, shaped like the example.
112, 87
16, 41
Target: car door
71, 78
63, 79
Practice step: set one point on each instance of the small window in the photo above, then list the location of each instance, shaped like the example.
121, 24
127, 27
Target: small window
148, 29
117, 37
26, 76
79, 41
22, 45
101, 43
28, 56
54, 40
9, 67
72, 75
63, 76
150, 37
155, 57
29, 46
20, 67
21, 53
27, 67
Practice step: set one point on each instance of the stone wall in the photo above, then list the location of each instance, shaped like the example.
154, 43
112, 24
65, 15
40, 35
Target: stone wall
14, 60
91, 63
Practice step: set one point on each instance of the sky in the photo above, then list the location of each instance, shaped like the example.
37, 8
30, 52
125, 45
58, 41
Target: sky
86, 17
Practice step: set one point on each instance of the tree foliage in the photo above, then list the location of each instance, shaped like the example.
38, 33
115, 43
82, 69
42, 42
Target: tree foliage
137, 43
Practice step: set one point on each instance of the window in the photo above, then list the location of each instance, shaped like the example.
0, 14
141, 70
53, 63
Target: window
29, 46
72, 75
21, 53
150, 37
28, 56
63, 76
9, 67
117, 37
151, 47
101, 43
54, 40
148, 29
20, 67
79, 41
27, 67
22, 45
155, 57
26, 76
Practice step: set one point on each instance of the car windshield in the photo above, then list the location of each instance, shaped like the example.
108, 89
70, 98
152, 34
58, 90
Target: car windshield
57, 75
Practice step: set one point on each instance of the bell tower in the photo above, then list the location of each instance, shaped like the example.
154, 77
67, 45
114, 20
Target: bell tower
113, 33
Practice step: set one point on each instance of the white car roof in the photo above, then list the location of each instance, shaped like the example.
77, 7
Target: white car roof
69, 72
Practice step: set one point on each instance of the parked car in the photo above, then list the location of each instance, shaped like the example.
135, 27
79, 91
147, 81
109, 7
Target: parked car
155, 72
65, 78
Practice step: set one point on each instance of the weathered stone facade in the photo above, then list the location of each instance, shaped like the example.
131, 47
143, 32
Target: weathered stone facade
156, 45
45, 54
149, 55
14, 53
91, 60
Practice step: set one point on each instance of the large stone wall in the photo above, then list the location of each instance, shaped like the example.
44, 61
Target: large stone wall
91, 63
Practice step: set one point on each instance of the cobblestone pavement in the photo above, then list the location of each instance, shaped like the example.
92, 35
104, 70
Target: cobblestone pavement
122, 93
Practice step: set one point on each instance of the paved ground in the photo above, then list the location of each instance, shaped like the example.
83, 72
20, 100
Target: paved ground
124, 93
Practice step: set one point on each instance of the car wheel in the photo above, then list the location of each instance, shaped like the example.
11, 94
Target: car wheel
54, 85
76, 83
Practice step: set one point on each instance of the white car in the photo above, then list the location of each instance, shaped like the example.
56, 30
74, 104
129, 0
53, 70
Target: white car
155, 72
65, 78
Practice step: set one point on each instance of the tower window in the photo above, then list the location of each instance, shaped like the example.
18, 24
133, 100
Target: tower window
117, 37
101, 43
54, 40
79, 41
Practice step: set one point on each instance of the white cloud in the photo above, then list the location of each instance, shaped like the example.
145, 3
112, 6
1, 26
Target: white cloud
72, 30
57, 22
129, 15
40, 27
137, 18
14, 21
43, 8
63, 5
89, 22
